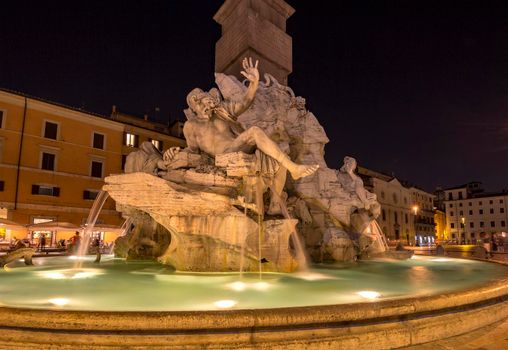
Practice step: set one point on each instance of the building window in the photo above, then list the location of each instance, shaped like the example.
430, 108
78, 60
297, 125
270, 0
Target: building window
131, 140
491, 202
461, 213
492, 224
98, 141
383, 214
96, 169
471, 224
158, 144
460, 204
451, 205
470, 212
491, 210
48, 161
2, 185
500, 201
45, 190
450, 196
1, 119
451, 213
480, 203
406, 219
90, 194
50, 130
503, 223
460, 195
501, 210
470, 204
481, 224
481, 211
452, 225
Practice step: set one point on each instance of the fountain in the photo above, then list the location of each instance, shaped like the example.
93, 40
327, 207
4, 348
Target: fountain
222, 239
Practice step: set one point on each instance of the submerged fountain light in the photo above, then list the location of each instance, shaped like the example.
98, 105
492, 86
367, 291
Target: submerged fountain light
225, 304
237, 286
59, 301
75, 257
240, 286
313, 276
70, 274
369, 294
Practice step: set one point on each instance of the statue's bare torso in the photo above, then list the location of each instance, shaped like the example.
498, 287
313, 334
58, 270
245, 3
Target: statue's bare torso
212, 136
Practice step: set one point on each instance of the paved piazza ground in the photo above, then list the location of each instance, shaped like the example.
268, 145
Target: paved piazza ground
493, 337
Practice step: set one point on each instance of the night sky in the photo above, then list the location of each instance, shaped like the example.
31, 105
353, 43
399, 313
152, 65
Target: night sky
414, 88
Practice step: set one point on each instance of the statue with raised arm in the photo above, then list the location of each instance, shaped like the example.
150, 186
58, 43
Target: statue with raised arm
212, 126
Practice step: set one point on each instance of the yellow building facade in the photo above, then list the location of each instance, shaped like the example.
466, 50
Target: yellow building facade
440, 220
53, 160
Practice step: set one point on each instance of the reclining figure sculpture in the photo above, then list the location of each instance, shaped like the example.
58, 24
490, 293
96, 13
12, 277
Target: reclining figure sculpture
212, 127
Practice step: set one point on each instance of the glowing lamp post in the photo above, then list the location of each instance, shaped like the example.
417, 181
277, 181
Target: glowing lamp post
415, 212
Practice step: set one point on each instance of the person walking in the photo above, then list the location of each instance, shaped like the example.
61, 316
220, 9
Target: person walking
42, 242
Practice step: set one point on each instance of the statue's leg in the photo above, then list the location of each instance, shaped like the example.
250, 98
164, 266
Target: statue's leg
277, 186
255, 136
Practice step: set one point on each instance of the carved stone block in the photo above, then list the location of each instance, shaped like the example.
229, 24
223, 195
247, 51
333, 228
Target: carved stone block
237, 164
185, 160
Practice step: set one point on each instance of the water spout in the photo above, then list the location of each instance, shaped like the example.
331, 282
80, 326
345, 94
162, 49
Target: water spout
90, 223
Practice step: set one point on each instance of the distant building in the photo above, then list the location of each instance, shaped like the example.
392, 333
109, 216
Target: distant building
406, 212
441, 230
470, 211
139, 129
53, 160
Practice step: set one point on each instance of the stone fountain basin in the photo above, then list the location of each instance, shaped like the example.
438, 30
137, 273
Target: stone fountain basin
381, 324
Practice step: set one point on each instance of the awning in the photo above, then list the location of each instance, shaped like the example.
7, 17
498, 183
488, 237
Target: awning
11, 225
54, 226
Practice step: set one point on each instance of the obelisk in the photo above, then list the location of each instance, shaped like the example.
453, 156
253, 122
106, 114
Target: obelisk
257, 29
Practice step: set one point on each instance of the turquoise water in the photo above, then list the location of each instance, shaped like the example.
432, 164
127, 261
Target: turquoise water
117, 285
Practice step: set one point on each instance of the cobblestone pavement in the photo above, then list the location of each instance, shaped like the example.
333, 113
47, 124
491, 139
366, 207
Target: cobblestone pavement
493, 337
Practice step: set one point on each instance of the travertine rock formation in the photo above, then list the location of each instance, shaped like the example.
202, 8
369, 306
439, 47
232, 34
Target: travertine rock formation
225, 203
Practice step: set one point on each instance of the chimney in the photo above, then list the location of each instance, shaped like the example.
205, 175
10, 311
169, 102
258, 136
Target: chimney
145, 116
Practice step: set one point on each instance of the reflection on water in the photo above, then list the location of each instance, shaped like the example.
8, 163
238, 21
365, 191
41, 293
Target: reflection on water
117, 285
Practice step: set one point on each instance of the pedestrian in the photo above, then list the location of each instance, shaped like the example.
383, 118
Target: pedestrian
485, 237
42, 242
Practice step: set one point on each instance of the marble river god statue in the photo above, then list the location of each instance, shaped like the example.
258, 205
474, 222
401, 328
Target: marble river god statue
224, 203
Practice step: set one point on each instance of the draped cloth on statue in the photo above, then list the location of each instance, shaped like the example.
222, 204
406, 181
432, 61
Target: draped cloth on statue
266, 165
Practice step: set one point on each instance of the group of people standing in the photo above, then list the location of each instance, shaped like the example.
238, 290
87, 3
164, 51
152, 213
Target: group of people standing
492, 243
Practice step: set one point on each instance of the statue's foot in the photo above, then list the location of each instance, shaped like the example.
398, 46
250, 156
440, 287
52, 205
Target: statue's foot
302, 170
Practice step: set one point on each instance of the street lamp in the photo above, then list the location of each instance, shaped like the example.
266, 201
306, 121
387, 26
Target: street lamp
463, 224
415, 211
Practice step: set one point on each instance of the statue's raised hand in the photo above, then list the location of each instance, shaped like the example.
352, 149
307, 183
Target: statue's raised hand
250, 71
170, 154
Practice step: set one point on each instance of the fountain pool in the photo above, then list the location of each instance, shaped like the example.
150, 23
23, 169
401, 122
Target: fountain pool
117, 285
120, 304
